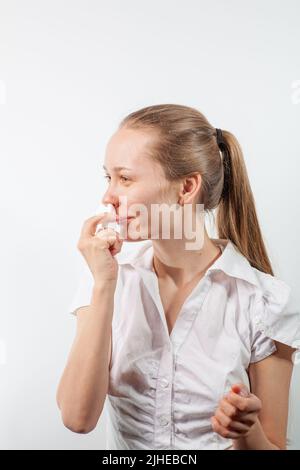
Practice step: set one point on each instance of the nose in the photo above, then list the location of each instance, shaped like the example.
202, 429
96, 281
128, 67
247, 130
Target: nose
110, 197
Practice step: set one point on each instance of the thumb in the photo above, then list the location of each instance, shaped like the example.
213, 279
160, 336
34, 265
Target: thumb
241, 389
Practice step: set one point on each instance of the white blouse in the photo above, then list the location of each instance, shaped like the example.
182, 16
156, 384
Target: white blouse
163, 389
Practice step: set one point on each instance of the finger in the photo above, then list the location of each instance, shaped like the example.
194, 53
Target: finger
90, 225
231, 424
243, 404
248, 418
239, 427
106, 232
108, 235
224, 432
228, 408
223, 419
117, 245
240, 389
113, 239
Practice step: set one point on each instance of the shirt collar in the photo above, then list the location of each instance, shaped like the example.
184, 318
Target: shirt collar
231, 261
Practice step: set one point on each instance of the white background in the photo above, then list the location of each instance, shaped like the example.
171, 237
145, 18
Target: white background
69, 71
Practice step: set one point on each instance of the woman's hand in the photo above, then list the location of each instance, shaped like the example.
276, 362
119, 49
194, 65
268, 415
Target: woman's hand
99, 248
237, 413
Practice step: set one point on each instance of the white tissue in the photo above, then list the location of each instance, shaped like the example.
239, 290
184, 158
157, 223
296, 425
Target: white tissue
114, 225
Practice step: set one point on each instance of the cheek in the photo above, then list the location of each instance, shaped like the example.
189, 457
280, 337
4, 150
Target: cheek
145, 197
149, 199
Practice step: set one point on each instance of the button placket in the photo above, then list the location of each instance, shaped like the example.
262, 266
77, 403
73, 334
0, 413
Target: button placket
164, 382
163, 401
190, 310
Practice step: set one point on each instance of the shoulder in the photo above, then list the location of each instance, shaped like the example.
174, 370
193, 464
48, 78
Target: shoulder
272, 295
266, 301
272, 287
272, 310
254, 284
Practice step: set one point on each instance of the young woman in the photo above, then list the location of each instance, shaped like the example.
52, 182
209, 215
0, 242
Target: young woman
193, 348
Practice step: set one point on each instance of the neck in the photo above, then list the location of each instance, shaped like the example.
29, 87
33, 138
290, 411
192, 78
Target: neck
172, 261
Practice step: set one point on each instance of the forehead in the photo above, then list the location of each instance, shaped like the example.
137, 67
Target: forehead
129, 148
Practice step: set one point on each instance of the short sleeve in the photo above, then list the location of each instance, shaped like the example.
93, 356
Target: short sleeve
83, 294
273, 318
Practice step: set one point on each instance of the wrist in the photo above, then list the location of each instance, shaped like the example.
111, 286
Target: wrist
254, 440
103, 290
103, 286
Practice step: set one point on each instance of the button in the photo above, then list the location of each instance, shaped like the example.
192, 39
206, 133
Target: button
164, 382
163, 420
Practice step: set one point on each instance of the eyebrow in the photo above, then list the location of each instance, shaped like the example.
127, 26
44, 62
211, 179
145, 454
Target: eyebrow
118, 168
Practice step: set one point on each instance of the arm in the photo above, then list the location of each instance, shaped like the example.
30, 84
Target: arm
83, 386
270, 381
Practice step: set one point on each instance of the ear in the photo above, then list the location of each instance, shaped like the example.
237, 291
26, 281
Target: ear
181, 194
189, 188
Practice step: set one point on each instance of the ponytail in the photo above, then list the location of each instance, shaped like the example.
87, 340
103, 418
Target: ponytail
236, 214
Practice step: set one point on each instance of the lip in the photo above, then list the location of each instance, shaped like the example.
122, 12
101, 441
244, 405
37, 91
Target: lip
122, 219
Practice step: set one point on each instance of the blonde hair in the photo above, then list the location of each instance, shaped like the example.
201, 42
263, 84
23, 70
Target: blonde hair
184, 144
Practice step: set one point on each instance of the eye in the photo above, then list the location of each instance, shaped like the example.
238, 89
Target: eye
123, 178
